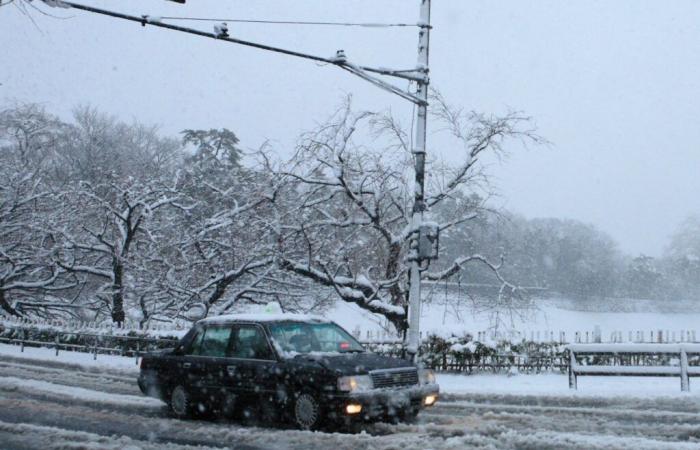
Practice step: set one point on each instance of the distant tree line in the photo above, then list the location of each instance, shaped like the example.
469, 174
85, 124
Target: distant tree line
577, 260
106, 220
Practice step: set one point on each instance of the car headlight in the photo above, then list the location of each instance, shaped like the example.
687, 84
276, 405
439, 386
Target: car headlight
355, 383
426, 376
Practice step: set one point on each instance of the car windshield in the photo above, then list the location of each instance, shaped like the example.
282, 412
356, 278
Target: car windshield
304, 337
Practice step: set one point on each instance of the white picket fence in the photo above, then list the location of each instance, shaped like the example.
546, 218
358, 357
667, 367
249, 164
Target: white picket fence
579, 337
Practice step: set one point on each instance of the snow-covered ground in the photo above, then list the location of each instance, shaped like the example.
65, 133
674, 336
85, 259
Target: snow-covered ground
74, 402
558, 385
550, 315
79, 359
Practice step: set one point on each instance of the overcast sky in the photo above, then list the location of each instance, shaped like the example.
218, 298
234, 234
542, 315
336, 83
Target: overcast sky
615, 86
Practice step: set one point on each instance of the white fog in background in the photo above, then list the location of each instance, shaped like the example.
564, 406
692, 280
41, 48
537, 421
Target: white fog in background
613, 85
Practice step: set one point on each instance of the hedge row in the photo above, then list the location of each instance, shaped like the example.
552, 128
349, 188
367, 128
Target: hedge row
126, 342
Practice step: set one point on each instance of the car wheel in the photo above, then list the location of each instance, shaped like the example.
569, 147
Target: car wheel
180, 402
307, 411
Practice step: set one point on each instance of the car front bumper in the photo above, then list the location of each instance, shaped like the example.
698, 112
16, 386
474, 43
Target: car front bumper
382, 403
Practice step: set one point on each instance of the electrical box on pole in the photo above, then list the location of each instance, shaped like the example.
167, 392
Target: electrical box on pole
428, 241
425, 243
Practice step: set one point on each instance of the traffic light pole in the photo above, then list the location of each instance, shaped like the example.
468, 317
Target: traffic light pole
414, 294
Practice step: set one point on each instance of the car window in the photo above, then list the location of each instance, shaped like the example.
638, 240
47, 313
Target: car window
249, 342
196, 343
331, 339
301, 337
215, 342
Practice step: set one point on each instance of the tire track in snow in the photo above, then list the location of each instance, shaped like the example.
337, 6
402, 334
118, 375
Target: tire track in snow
116, 384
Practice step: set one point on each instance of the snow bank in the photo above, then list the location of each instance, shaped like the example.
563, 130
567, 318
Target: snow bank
85, 360
550, 315
558, 385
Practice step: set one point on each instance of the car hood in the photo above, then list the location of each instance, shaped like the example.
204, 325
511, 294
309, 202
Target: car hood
356, 363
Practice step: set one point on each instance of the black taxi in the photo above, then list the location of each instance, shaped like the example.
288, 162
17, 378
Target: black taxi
302, 368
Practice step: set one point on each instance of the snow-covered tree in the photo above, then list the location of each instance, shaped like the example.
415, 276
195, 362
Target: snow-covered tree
682, 258
115, 178
30, 284
351, 185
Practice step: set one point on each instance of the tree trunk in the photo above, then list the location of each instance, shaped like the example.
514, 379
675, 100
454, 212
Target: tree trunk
400, 323
118, 315
5, 305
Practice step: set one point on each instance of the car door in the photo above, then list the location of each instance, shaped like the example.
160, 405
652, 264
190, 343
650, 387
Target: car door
208, 368
253, 365
187, 366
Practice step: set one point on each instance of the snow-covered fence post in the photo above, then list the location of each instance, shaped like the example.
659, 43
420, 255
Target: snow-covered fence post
572, 373
685, 382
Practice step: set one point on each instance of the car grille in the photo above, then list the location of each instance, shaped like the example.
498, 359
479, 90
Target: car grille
394, 377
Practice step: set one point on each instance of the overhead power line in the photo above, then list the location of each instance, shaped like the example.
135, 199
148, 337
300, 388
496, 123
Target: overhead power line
296, 22
340, 59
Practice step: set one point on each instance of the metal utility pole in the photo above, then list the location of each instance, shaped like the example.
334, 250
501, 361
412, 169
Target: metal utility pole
414, 295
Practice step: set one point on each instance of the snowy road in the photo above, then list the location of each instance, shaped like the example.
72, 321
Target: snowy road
48, 405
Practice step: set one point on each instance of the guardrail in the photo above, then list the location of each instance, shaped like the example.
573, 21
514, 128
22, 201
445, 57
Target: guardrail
625, 359
91, 341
